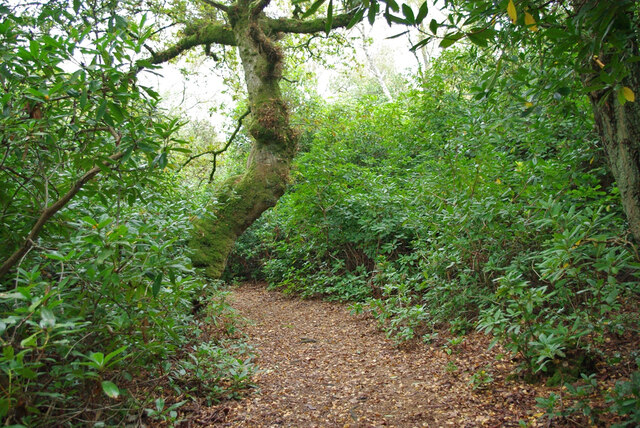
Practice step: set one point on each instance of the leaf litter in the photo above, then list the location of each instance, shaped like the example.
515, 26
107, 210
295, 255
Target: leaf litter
320, 366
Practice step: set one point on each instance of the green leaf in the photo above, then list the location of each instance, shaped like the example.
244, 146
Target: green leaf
160, 404
116, 111
34, 46
329, 22
433, 26
48, 318
397, 35
391, 4
5, 403
392, 18
107, 221
110, 389
27, 373
110, 355
314, 7
29, 342
84, 98
408, 14
157, 282
478, 39
98, 358
422, 13
101, 110
450, 39
15, 295
89, 220
357, 17
8, 352
420, 44
373, 10
54, 255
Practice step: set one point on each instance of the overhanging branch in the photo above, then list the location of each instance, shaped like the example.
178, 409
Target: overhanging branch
208, 33
52, 209
219, 6
288, 25
233, 136
215, 153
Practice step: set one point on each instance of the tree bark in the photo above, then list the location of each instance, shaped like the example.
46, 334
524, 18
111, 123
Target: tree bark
244, 198
619, 128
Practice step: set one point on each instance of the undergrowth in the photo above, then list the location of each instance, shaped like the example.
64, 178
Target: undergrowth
109, 317
459, 216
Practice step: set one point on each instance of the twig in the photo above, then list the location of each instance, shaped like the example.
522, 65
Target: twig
233, 136
215, 153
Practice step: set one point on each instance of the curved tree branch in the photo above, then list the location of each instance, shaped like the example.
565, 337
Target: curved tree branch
208, 33
298, 26
219, 151
217, 5
50, 211
233, 136
194, 36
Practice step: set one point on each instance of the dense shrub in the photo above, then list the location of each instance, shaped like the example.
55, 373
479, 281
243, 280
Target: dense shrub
101, 319
98, 310
441, 211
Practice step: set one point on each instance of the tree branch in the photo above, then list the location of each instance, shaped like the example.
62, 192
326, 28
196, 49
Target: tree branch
195, 35
201, 33
258, 6
215, 153
288, 25
217, 5
233, 136
53, 209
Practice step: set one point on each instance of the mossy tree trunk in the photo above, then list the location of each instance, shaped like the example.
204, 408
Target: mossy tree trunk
619, 129
244, 198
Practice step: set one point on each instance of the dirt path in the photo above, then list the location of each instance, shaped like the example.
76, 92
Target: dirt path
322, 367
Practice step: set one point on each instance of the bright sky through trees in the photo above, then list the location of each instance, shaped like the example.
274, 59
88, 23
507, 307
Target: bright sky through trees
202, 94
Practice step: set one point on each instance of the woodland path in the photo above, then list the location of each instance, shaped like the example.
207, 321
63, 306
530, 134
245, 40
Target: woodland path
322, 367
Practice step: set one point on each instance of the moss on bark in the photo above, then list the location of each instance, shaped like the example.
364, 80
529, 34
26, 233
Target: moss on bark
243, 199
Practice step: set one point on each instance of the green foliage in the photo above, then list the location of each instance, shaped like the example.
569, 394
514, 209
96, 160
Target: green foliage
481, 380
104, 298
165, 413
112, 303
439, 211
625, 399
566, 39
52, 116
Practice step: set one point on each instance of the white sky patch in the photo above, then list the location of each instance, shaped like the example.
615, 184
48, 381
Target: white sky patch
202, 95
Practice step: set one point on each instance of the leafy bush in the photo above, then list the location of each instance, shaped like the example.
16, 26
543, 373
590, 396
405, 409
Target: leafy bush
625, 399
436, 211
110, 302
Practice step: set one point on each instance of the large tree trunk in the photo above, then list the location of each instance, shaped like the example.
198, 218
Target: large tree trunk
619, 128
243, 199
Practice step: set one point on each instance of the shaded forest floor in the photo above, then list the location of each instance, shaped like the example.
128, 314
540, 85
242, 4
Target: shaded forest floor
321, 367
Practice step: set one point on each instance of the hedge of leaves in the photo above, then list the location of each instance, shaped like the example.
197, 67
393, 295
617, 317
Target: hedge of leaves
441, 211
98, 318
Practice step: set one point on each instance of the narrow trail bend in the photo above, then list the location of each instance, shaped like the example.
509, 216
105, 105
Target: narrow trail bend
322, 367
